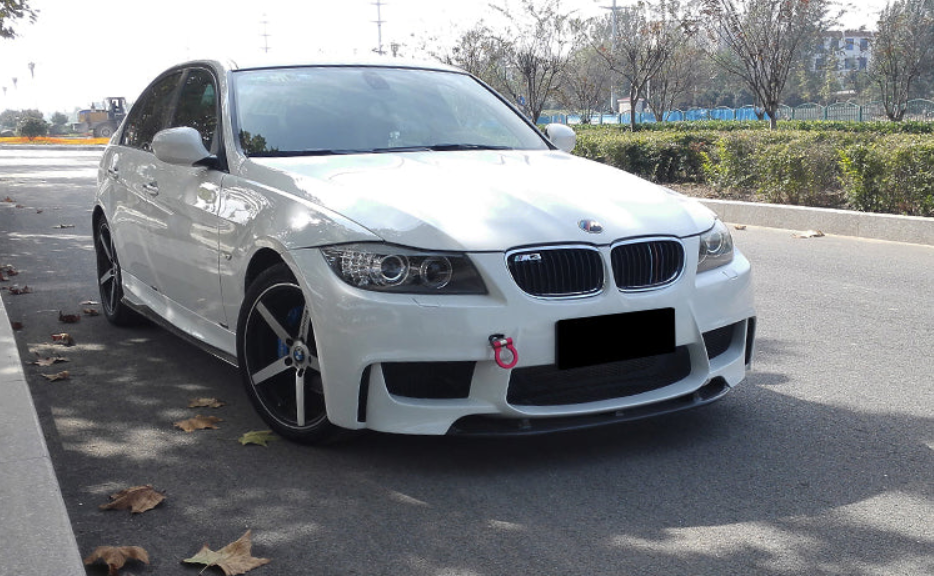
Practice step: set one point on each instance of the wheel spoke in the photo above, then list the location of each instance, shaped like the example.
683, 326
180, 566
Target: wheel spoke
300, 397
277, 367
272, 322
107, 277
108, 249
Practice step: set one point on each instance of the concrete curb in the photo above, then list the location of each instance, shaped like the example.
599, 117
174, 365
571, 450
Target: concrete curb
75, 147
36, 536
910, 229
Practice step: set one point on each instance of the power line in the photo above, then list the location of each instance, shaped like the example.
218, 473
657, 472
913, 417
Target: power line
265, 36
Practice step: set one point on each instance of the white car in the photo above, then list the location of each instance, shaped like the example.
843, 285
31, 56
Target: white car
394, 247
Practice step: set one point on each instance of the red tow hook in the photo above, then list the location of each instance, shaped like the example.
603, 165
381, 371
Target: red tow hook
498, 342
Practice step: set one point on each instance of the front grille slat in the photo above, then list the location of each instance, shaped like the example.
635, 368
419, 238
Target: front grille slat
647, 264
554, 272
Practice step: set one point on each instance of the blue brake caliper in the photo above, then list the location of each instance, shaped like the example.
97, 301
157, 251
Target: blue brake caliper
291, 321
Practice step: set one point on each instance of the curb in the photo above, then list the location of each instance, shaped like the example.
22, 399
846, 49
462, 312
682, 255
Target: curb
75, 147
908, 229
36, 536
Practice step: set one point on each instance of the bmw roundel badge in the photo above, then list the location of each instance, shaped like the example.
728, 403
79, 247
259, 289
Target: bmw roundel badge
591, 226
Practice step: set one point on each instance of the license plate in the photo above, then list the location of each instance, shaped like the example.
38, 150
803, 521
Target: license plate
603, 339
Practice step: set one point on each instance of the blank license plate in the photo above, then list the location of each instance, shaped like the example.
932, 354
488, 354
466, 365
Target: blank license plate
602, 339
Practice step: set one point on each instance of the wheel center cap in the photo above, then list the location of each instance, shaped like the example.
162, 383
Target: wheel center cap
299, 354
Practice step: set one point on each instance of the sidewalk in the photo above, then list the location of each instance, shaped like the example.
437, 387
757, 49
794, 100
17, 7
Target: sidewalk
35, 533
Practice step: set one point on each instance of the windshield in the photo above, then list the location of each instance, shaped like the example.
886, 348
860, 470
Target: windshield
345, 110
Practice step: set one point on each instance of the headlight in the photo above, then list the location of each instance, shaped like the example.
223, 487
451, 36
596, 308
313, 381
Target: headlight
716, 248
394, 269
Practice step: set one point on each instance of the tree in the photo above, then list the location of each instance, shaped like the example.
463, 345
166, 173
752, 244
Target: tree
761, 40
681, 72
901, 51
585, 83
32, 127
532, 53
10, 12
646, 36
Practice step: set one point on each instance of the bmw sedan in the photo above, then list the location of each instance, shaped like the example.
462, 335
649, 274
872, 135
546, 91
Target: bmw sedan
394, 247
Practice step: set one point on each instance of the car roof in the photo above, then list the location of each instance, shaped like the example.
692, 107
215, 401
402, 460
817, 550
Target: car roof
265, 63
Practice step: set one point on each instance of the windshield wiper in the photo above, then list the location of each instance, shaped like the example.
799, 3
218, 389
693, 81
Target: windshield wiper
438, 148
309, 152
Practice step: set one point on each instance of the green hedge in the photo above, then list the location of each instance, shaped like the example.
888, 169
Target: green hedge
869, 171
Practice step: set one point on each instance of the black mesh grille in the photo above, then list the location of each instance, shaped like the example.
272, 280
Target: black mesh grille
719, 340
548, 386
439, 380
555, 272
643, 265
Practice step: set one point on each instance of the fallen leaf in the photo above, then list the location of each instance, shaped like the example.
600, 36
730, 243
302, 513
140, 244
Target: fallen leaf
16, 290
63, 375
809, 234
137, 499
88, 303
10, 270
64, 338
20, 206
39, 211
234, 558
199, 422
49, 361
8, 199
258, 437
68, 318
740, 226
116, 556
60, 226
91, 312
206, 403
16, 325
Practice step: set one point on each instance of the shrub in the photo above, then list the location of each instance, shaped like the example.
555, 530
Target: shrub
32, 127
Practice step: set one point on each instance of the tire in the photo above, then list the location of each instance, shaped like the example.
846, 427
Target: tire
278, 359
104, 131
109, 279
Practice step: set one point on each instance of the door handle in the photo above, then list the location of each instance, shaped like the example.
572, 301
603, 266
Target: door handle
114, 173
152, 188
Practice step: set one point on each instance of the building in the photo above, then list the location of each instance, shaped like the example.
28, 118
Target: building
844, 51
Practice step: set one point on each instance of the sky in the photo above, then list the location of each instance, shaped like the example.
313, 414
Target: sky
86, 50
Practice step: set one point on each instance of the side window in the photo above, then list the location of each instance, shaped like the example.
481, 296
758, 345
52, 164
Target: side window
197, 105
149, 115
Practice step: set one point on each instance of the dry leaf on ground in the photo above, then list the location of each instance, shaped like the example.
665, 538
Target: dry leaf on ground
9, 270
49, 360
63, 375
809, 234
16, 290
91, 312
64, 339
137, 499
16, 325
258, 437
199, 422
68, 318
116, 556
8, 199
234, 558
740, 226
206, 403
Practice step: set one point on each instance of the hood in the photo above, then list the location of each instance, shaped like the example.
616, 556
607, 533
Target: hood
487, 200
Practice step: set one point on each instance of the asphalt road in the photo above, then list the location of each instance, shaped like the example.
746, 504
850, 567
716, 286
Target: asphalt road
820, 463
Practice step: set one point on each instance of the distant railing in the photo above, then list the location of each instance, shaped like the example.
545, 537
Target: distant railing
919, 110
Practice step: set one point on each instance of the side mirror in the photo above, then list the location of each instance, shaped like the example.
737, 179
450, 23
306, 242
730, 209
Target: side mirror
561, 136
182, 146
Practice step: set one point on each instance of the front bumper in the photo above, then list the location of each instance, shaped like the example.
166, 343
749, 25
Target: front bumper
424, 365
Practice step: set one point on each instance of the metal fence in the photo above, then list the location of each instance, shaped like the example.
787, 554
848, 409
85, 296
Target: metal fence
920, 110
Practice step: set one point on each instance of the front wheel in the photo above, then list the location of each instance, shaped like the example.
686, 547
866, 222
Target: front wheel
279, 358
109, 280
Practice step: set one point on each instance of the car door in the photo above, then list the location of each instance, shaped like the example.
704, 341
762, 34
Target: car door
183, 232
131, 169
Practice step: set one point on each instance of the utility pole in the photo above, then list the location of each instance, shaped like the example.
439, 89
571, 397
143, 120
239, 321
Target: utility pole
265, 35
614, 105
379, 27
